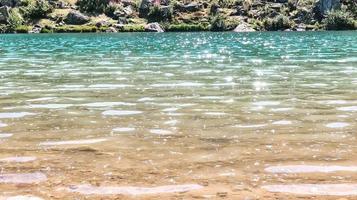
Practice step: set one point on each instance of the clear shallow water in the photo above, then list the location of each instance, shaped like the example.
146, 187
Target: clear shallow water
157, 110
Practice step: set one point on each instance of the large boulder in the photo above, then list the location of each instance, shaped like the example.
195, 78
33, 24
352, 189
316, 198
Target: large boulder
144, 7
243, 27
10, 3
154, 27
4, 14
324, 6
76, 18
191, 7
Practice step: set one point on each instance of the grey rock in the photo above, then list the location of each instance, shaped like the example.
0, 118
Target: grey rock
4, 14
10, 3
191, 7
111, 30
102, 23
144, 7
154, 27
243, 27
324, 6
119, 26
36, 30
122, 20
128, 3
76, 18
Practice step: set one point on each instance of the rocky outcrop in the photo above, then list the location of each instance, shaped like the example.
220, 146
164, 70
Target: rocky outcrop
144, 7
4, 14
243, 27
10, 3
191, 7
111, 30
76, 18
324, 6
154, 27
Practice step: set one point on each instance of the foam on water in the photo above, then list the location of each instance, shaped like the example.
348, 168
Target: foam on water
315, 189
123, 129
107, 104
121, 112
41, 99
26, 178
73, 142
185, 84
109, 86
18, 159
309, 169
266, 103
348, 108
250, 125
5, 135
337, 125
282, 122
127, 190
21, 197
49, 106
11, 115
161, 132
2, 125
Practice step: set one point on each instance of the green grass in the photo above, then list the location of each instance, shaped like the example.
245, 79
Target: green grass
186, 27
75, 29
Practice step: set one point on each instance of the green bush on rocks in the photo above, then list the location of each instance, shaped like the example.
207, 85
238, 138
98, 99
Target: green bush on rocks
160, 13
339, 20
186, 27
278, 23
218, 23
37, 9
75, 29
22, 29
15, 19
93, 6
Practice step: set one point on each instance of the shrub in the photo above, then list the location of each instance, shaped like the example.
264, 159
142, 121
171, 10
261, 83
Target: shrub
218, 23
186, 27
22, 29
339, 20
159, 14
92, 6
75, 29
46, 30
37, 8
15, 19
112, 8
277, 23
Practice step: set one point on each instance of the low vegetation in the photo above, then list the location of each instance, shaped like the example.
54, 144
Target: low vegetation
174, 15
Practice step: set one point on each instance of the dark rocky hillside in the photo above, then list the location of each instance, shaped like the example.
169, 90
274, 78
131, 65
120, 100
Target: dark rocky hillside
45, 16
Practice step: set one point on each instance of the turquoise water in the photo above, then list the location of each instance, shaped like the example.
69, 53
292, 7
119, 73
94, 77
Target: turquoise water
217, 103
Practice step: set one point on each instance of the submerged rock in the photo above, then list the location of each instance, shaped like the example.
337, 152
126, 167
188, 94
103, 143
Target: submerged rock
154, 27
243, 27
76, 18
111, 190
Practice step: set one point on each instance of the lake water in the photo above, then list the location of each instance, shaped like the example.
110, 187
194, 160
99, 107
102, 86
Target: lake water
178, 116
